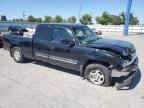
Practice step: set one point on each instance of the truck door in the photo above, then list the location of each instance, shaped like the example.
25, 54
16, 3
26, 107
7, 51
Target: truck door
40, 42
62, 54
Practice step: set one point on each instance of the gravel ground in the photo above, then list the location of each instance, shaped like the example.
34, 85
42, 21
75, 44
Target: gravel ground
40, 85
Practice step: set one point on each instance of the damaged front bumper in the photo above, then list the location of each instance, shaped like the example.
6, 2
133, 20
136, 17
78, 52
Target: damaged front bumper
126, 75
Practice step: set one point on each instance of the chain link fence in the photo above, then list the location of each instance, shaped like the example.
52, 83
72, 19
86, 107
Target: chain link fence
118, 28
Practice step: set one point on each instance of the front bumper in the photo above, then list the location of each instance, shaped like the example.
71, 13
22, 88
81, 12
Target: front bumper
1, 43
126, 75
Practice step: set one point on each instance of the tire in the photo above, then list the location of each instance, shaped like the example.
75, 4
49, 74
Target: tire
1, 46
98, 75
18, 55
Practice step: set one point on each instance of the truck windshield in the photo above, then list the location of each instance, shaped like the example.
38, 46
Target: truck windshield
85, 34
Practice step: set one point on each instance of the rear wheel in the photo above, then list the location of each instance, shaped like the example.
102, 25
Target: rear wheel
98, 74
18, 55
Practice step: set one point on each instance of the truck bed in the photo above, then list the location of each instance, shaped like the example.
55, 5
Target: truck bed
25, 42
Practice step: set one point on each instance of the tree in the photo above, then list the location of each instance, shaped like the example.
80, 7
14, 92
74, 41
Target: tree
3, 18
115, 20
122, 16
31, 19
64, 21
86, 19
39, 20
134, 21
18, 20
72, 19
58, 19
118, 21
98, 20
48, 19
105, 19
53, 20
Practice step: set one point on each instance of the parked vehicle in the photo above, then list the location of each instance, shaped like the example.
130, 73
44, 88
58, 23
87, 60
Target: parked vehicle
98, 32
30, 31
1, 41
16, 30
77, 47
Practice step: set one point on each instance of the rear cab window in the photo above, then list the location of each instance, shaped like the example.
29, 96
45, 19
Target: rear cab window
44, 33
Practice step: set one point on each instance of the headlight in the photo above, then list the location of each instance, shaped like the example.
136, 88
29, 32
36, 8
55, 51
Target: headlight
125, 63
96, 50
125, 53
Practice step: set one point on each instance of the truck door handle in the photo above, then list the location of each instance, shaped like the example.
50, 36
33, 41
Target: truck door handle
51, 47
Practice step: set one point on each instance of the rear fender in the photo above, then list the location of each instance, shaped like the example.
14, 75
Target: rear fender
11, 48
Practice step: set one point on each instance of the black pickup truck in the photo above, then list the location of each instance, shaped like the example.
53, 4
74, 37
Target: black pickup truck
77, 47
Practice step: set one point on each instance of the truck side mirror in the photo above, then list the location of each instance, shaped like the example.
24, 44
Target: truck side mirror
69, 42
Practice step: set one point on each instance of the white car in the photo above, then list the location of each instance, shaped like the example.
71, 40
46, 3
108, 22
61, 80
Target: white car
31, 31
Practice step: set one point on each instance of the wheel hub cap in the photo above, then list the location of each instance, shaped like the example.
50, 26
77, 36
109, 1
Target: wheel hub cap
96, 77
17, 55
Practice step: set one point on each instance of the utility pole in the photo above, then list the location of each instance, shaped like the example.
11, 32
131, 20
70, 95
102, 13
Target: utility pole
23, 16
127, 17
91, 13
79, 13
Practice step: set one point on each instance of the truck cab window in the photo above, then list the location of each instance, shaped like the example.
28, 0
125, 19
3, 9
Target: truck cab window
44, 33
60, 34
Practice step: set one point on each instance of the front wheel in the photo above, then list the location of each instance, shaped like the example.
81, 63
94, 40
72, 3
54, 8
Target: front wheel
98, 74
17, 55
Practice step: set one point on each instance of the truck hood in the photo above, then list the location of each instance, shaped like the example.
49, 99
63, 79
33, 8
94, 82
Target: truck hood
117, 46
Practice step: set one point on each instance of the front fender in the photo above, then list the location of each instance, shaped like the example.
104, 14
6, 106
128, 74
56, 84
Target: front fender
102, 57
108, 57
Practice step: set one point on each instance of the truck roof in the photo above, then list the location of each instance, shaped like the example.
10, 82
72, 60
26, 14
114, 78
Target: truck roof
63, 24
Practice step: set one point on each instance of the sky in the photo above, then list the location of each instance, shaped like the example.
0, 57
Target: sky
65, 8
